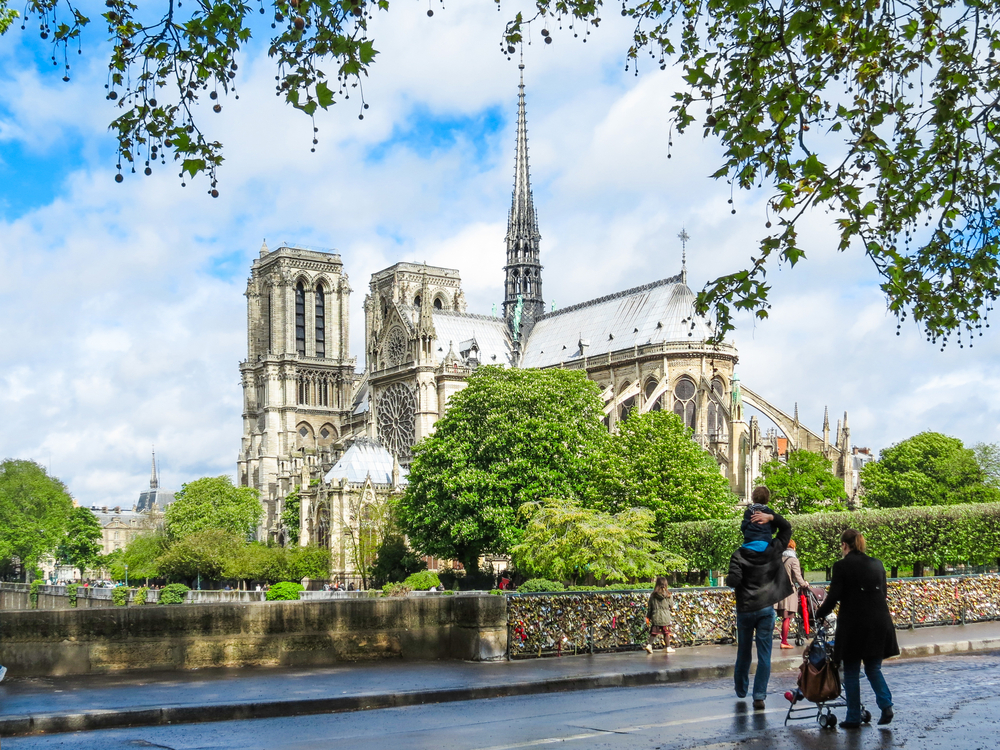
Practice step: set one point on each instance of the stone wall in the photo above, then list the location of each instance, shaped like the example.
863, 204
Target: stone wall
152, 637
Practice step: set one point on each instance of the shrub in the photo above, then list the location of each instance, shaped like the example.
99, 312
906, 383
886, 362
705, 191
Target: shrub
286, 591
33, 592
119, 596
540, 584
450, 578
173, 593
140, 596
396, 589
423, 580
937, 535
71, 593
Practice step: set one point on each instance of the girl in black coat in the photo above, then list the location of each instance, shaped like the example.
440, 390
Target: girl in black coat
865, 631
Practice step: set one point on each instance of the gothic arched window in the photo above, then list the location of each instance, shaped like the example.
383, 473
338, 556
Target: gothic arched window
300, 319
684, 403
438, 304
416, 301
650, 387
716, 417
320, 321
627, 408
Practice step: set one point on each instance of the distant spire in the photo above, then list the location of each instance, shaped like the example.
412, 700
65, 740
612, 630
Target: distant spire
154, 481
264, 249
845, 420
684, 237
522, 222
826, 417
796, 412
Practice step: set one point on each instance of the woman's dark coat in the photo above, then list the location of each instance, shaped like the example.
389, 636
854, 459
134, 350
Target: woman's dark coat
864, 625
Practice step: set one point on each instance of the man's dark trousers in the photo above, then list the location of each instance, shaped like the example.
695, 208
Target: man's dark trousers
752, 626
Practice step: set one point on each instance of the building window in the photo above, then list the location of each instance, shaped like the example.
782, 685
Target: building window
303, 390
684, 405
438, 305
716, 417
322, 392
320, 322
270, 323
650, 387
300, 319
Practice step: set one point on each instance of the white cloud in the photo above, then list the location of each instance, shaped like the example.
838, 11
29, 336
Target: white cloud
121, 306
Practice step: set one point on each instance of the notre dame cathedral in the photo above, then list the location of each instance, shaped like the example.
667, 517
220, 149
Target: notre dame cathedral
312, 420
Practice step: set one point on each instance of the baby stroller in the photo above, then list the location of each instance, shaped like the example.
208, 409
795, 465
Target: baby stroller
819, 681
810, 600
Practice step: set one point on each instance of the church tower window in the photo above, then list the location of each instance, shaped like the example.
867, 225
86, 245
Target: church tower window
320, 322
684, 402
270, 321
300, 319
438, 304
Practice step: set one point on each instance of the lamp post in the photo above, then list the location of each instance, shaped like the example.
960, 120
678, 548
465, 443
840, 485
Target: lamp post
126, 575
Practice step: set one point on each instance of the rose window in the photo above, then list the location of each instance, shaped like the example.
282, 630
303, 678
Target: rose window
397, 411
396, 347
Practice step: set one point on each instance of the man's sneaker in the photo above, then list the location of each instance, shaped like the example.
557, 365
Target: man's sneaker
758, 705
671, 649
885, 718
649, 649
3, 673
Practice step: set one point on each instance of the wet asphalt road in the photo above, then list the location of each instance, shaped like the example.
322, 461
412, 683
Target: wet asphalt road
950, 702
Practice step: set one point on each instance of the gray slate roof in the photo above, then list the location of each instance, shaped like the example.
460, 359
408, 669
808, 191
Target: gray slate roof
365, 457
660, 312
491, 336
157, 498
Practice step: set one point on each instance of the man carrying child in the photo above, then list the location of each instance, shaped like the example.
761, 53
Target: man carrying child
757, 574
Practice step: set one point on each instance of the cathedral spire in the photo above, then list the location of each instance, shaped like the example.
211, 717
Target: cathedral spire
154, 481
523, 271
684, 237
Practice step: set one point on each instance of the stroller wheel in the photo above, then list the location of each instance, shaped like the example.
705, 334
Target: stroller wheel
831, 721
866, 716
822, 721
799, 641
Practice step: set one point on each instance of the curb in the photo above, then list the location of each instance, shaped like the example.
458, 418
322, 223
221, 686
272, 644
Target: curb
45, 723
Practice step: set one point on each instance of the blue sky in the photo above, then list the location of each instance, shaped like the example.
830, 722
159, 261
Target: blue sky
121, 306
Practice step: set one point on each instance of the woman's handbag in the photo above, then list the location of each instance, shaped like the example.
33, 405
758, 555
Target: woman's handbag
819, 678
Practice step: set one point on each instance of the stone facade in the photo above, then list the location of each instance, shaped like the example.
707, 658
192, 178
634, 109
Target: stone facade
298, 379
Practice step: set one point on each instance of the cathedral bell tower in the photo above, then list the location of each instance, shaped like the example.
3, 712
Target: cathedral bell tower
523, 303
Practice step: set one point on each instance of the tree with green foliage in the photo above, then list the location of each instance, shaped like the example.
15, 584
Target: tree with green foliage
256, 562
510, 437
142, 555
926, 469
82, 544
34, 511
308, 562
988, 458
203, 554
566, 542
394, 562
804, 483
370, 522
883, 114
654, 463
214, 503
291, 520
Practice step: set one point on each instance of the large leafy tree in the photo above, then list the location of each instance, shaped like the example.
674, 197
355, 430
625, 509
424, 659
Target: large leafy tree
804, 483
926, 469
82, 544
988, 458
881, 113
565, 541
203, 554
214, 503
653, 463
142, 555
510, 437
34, 511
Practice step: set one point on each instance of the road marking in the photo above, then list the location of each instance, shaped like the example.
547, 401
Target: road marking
627, 730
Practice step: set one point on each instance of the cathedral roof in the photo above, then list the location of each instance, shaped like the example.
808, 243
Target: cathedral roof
660, 312
366, 457
491, 336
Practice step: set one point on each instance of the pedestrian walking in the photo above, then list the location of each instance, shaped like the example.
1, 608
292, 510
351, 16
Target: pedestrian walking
658, 615
788, 607
865, 631
758, 577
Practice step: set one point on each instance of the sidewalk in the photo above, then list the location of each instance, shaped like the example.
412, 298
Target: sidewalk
65, 704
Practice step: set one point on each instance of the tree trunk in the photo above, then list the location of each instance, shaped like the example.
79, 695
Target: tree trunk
894, 572
918, 570
940, 571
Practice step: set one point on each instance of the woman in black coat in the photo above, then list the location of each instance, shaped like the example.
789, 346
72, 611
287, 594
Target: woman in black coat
865, 631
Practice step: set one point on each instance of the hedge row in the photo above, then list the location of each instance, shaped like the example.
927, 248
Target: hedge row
900, 537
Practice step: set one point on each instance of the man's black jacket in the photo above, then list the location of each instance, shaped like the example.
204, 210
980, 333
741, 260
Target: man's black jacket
759, 578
